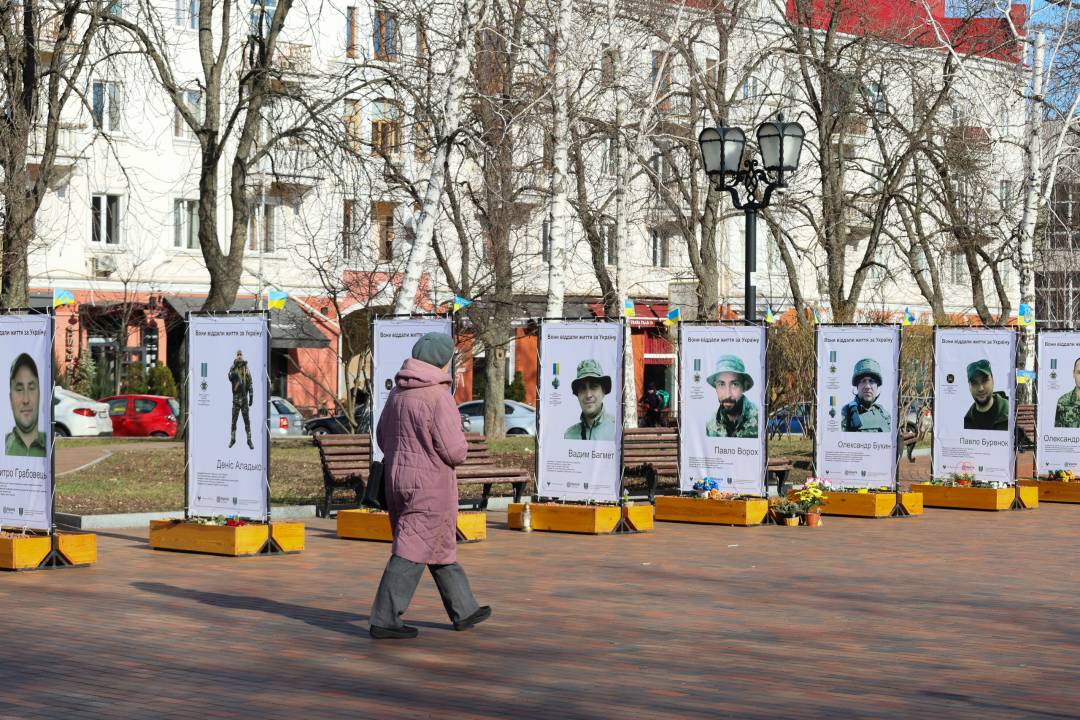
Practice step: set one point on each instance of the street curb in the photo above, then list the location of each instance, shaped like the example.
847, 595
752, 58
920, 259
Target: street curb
130, 520
108, 454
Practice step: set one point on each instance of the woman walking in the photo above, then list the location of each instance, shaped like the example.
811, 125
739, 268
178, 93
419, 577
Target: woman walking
420, 435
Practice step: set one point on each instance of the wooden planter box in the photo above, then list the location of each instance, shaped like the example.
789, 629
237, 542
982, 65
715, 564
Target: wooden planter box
972, 498
27, 553
586, 519
1054, 491
870, 504
671, 508
367, 524
233, 541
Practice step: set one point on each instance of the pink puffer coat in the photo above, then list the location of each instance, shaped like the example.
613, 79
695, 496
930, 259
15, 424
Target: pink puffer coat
420, 435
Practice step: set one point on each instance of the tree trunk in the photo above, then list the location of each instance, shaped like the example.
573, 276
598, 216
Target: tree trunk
560, 138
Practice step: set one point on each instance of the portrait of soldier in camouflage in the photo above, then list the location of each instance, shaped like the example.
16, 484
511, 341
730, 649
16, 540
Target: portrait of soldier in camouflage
863, 413
737, 415
1067, 413
243, 395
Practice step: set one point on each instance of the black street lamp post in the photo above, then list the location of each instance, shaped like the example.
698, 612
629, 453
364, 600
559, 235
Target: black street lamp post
722, 151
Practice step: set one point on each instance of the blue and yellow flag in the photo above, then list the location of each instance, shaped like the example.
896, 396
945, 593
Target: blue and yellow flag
770, 316
628, 309
674, 315
1027, 315
62, 297
275, 299
1025, 376
460, 303
909, 317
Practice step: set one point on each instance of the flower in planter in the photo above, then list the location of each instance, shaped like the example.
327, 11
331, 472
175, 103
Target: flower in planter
863, 491
1063, 475
706, 485
787, 508
812, 494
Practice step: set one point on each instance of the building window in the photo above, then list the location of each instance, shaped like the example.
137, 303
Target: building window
350, 31
193, 100
116, 8
875, 97
660, 79
386, 129
423, 141
106, 104
957, 268
1065, 216
353, 133
187, 14
383, 215
384, 36
1057, 299
545, 241
186, 224
261, 228
262, 15
659, 249
610, 243
421, 44
350, 246
610, 162
749, 88
105, 219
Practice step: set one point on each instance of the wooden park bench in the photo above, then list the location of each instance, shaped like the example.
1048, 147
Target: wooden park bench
1025, 427
653, 453
346, 463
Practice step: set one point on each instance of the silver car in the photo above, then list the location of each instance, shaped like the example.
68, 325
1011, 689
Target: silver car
520, 418
283, 419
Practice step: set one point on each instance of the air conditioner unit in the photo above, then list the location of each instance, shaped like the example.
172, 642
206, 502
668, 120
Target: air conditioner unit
102, 266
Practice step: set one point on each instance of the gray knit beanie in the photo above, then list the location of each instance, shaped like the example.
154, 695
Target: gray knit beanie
435, 348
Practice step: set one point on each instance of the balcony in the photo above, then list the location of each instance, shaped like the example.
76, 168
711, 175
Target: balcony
289, 170
290, 66
67, 154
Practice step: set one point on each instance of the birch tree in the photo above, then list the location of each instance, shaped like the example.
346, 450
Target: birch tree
560, 138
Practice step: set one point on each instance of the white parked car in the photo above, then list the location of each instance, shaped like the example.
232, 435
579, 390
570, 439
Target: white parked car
77, 416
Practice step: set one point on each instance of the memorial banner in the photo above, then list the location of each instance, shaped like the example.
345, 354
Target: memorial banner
722, 411
392, 343
579, 441
1057, 423
26, 471
857, 404
228, 444
974, 415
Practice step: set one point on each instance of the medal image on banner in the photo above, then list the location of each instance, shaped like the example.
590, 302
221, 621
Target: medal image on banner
974, 395
1058, 383
26, 421
579, 440
722, 391
857, 404
228, 441
392, 344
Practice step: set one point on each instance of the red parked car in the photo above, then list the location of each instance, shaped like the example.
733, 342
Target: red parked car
143, 415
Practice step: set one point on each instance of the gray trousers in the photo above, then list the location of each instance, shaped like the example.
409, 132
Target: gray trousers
399, 582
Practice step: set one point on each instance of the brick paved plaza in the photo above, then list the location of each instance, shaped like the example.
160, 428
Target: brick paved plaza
954, 614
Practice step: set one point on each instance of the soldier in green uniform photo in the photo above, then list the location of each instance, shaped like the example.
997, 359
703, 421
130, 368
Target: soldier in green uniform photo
1067, 413
990, 411
243, 395
737, 415
863, 413
25, 439
591, 386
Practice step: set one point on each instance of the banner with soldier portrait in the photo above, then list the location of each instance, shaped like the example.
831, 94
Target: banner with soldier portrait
857, 404
1058, 420
228, 446
974, 396
26, 476
722, 391
392, 344
579, 439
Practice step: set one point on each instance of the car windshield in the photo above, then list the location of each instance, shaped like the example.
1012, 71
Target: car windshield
284, 407
174, 406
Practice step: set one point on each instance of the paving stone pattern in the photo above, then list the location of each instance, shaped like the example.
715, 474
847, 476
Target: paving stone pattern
954, 614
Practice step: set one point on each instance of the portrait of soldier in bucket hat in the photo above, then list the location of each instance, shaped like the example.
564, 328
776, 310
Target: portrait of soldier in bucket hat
863, 413
990, 411
590, 387
737, 415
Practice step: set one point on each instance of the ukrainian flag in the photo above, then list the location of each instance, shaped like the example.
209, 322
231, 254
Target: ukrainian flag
275, 299
62, 297
461, 303
674, 315
1027, 314
628, 309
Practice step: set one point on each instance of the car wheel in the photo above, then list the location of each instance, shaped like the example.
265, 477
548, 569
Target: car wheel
319, 431
60, 431
159, 434
517, 431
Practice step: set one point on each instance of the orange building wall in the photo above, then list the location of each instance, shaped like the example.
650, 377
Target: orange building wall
525, 362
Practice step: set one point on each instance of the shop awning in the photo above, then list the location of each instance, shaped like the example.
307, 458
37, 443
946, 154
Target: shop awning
289, 328
646, 314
